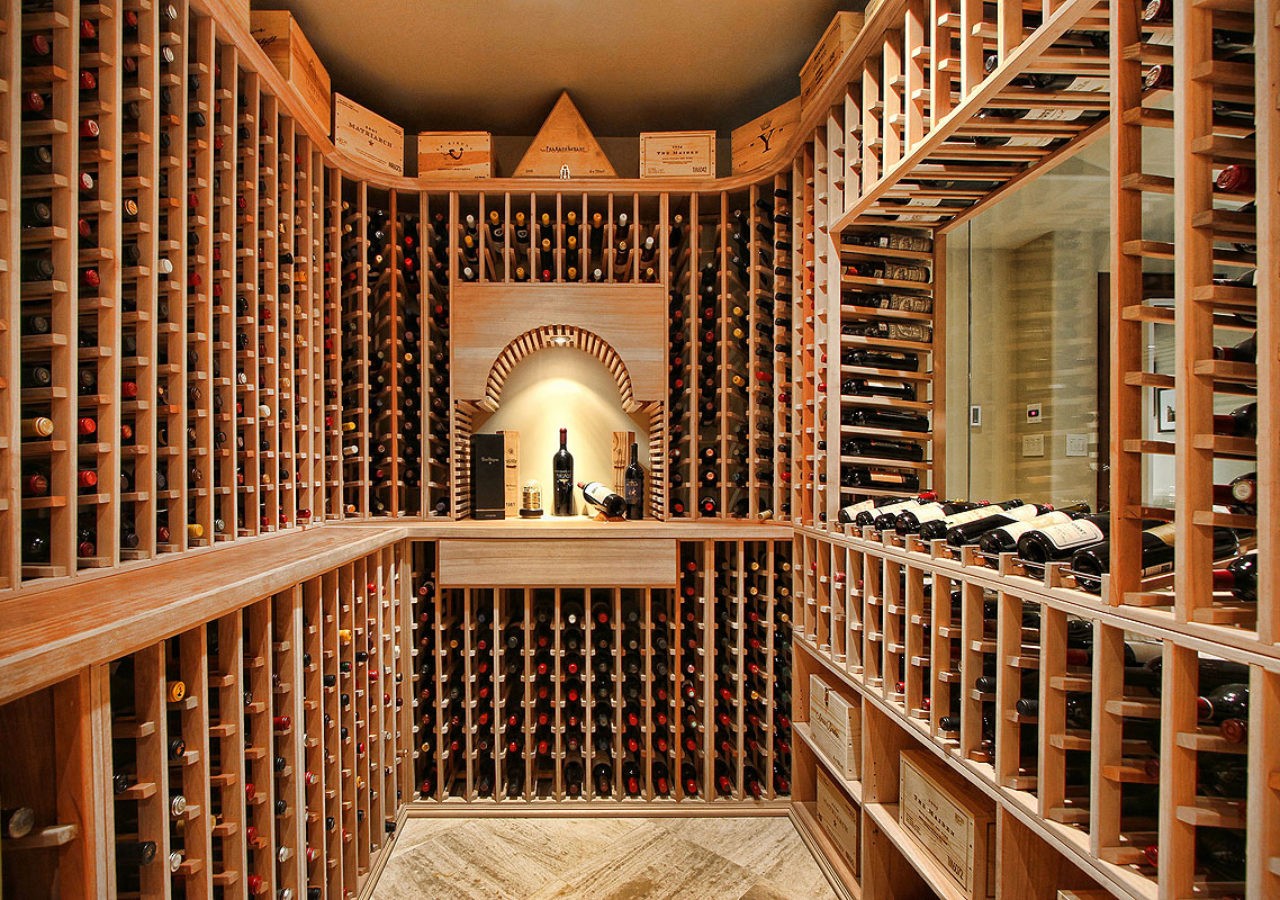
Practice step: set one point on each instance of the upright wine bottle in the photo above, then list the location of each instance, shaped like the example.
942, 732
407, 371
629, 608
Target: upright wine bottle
634, 485
562, 477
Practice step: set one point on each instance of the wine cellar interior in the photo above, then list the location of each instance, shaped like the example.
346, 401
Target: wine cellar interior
906, 480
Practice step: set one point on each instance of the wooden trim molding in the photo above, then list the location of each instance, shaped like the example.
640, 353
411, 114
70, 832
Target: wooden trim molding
570, 336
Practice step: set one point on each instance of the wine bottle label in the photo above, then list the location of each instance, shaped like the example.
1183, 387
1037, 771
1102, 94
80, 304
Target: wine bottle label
1166, 533
1089, 85
1047, 114
931, 513
896, 508
850, 512
597, 492
897, 241
878, 476
974, 515
904, 272
1076, 533
1016, 530
632, 489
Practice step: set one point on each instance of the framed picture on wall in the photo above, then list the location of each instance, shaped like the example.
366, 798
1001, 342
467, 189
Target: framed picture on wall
1166, 410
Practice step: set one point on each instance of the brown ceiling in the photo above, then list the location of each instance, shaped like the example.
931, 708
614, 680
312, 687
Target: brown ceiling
630, 65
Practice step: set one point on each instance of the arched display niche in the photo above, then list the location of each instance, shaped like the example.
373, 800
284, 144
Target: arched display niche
621, 326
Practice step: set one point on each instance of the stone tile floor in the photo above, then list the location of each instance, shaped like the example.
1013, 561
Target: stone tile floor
744, 858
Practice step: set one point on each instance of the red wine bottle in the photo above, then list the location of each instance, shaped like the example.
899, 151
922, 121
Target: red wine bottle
562, 476
1090, 563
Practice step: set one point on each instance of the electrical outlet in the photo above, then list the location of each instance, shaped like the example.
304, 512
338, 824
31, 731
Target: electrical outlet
1033, 445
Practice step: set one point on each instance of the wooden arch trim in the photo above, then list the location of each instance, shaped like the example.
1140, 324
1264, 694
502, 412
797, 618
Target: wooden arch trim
558, 336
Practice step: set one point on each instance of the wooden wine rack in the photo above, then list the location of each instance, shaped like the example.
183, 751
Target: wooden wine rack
730, 607
231, 404
938, 648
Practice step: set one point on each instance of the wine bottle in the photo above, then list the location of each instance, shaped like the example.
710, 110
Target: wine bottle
848, 514
1227, 706
880, 478
602, 776
1005, 538
633, 481
936, 527
1041, 545
1240, 422
603, 498
909, 521
17, 822
1090, 563
562, 477
1240, 577
980, 521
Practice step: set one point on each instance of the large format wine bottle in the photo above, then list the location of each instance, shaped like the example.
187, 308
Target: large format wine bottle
562, 477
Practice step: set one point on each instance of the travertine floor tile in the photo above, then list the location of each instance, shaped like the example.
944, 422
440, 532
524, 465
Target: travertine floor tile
601, 859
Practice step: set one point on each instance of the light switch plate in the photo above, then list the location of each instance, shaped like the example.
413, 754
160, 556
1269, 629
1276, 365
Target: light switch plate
1035, 413
1033, 445
1077, 445
975, 416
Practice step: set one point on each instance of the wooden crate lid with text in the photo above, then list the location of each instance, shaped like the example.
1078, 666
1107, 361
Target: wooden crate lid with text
565, 147
667, 154
455, 154
279, 36
367, 136
952, 821
842, 31
759, 142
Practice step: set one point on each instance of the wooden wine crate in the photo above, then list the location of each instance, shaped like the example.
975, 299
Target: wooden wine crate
564, 147
836, 725
951, 821
670, 154
842, 31
455, 154
367, 136
511, 472
278, 34
621, 456
758, 143
839, 819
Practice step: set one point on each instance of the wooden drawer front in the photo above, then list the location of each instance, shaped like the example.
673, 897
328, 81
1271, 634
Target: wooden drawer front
602, 562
